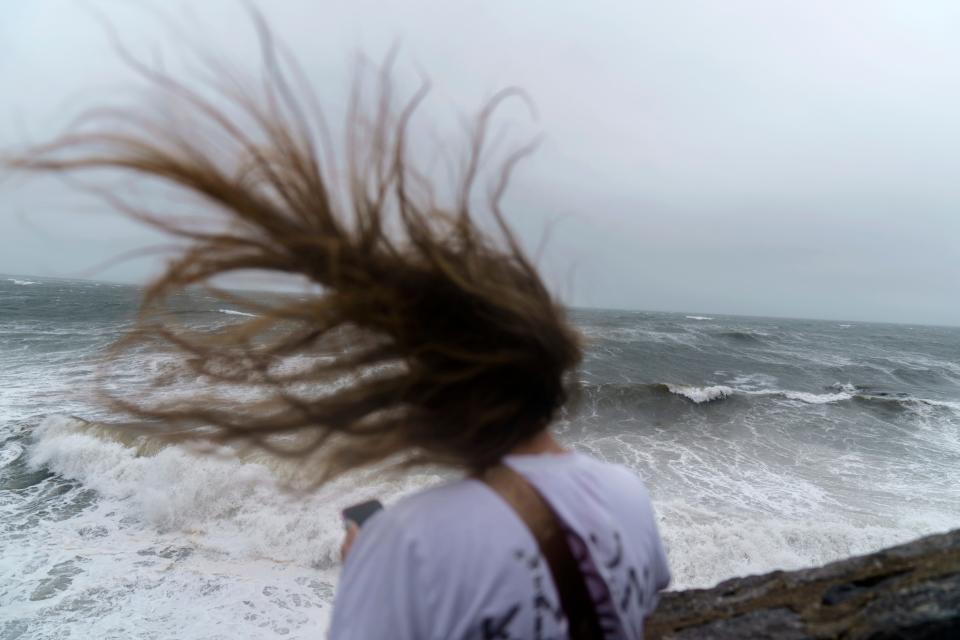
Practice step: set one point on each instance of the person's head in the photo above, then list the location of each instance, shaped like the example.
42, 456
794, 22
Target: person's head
427, 338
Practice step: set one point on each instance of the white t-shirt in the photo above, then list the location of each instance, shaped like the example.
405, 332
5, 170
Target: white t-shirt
455, 562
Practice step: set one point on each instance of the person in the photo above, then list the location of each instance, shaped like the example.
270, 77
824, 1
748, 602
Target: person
426, 337
455, 561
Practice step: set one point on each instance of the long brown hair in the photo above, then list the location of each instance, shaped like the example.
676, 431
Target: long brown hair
430, 336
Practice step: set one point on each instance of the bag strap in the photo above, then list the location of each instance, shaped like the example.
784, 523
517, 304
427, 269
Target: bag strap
546, 528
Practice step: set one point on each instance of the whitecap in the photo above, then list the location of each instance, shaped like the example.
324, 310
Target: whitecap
701, 394
816, 398
705, 548
256, 551
9, 454
720, 392
21, 282
843, 392
227, 503
699, 317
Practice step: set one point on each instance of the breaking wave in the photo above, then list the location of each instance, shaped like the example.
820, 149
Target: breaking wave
705, 546
259, 549
10, 453
628, 395
701, 394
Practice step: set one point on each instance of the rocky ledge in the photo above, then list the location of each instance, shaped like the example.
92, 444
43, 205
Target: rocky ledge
910, 591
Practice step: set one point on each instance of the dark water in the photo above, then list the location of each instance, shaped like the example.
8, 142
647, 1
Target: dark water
766, 443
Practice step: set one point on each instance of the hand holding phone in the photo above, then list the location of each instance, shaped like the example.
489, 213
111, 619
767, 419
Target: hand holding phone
359, 513
353, 517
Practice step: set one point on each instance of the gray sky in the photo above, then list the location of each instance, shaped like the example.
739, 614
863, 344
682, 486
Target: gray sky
754, 157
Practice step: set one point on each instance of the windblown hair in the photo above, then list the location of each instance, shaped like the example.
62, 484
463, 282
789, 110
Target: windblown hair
429, 336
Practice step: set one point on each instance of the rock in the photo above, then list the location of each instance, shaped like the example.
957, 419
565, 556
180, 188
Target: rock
907, 592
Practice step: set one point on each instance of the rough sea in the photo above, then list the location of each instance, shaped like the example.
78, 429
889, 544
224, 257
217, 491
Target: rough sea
766, 443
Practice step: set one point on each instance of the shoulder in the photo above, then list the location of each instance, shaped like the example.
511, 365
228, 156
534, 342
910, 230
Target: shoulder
463, 502
441, 522
580, 476
454, 522
453, 495
389, 584
442, 509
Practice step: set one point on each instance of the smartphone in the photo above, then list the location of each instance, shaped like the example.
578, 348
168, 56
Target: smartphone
359, 513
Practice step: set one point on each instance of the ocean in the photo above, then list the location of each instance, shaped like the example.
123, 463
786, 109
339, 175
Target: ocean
767, 443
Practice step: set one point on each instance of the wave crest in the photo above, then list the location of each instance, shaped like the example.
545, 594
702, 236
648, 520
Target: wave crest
632, 396
9, 454
701, 394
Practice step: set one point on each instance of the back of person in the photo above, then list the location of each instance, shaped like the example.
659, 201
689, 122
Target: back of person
424, 335
456, 562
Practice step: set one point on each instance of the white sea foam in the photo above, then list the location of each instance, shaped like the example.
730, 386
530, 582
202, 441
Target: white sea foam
232, 312
21, 282
144, 541
843, 392
754, 381
699, 317
235, 555
727, 508
9, 453
705, 547
720, 392
701, 394
238, 554
177, 489
846, 392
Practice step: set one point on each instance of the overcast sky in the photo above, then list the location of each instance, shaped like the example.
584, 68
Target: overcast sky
783, 158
